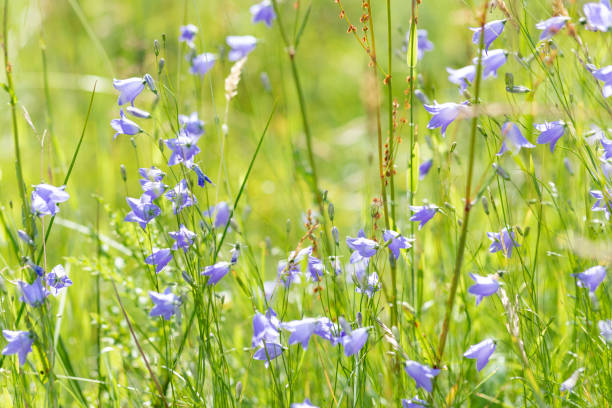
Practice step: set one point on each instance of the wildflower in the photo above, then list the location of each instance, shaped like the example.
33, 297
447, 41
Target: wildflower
201, 64
37, 269
216, 272
268, 352
184, 147
370, 287
423, 213
397, 242
166, 304
143, 210
180, 196
192, 124
483, 286
34, 294
57, 280
591, 278
202, 178
513, 139
188, 33
421, 374
160, 258
570, 383
492, 30
550, 132
336, 264
124, 126
302, 330
413, 402
502, 241
183, 237
265, 328
354, 341
607, 146
235, 252
263, 12
598, 15
481, 352
151, 182
19, 342
128, 89
363, 247
424, 168
462, 76
222, 214
150, 83
240, 46
138, 113
551, 26
315, 268
605, 330
602, 203
443, 114
305, 404
604, 75
288, 272
45, 197
491, 62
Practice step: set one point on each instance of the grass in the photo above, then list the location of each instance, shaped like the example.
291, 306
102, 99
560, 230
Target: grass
326, 132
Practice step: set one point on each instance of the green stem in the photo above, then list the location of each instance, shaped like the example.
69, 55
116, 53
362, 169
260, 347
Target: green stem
468, 201
302, 103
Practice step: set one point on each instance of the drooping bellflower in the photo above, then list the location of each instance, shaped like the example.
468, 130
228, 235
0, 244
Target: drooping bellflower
188, 33
160, 258
602, 203
180, 196
492, 30
192, 124
183, 238
19, 342
184, 148
398, 242
370, 286
354, 341
216, 272
45, 197
421, 374
604, 74
316, 269
550, 132
502, 241
462, 76
444, 114
598, 15
513, 139
263, 12
423, 43
423, 213
362, 247
124, 126
570, 383
128, 89
483, 286
551, 26
143, 210
481, 352
591, 278
305, 404
491, 62
57, 280
166, 304
202, 178
240, 46
202, 63
151, 182
33, 294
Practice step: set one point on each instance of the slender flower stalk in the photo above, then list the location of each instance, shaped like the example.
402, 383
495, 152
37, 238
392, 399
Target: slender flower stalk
468, 202
291, 50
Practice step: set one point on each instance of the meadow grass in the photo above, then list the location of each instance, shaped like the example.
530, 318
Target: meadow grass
320, 129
